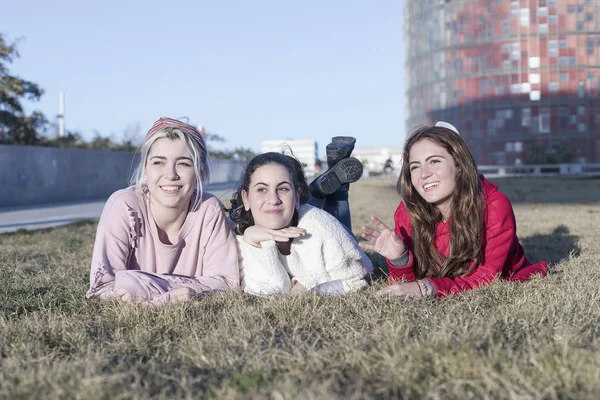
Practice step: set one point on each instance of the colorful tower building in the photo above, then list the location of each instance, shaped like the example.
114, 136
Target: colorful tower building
520, 79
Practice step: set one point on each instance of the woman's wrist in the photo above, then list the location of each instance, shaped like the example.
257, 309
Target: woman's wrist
401, 261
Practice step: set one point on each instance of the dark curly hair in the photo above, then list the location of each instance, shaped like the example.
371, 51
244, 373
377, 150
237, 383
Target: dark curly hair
242, 218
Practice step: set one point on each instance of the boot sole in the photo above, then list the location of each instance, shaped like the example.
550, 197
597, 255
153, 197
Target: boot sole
347, 170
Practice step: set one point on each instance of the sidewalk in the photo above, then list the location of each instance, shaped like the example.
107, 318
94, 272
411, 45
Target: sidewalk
49, 215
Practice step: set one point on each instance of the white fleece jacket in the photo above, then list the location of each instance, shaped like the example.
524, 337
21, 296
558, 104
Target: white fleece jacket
327, 253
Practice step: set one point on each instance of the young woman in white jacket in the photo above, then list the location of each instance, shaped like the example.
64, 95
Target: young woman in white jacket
286, 245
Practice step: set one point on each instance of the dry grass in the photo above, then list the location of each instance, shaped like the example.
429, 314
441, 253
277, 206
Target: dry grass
534, 340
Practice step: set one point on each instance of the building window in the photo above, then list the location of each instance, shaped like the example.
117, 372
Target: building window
544, 123
542, 11
499, 157
553, 86
534, 78
572, 119
570, 9
553, 19
543, 28
590, 47
562, 43
491, 128
476, 129
518, 147
524, 17
580, 26
563, 60
597, 119
526, 117
563, 111
552, 48
581, 128
516, 51
581, 110
534, 62
563, 77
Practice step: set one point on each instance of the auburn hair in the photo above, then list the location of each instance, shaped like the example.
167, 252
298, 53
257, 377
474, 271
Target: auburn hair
466, 210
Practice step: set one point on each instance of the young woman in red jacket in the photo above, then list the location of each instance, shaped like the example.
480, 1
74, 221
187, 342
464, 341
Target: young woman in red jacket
454, 230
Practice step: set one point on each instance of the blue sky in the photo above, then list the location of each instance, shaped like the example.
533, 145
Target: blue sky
246, 70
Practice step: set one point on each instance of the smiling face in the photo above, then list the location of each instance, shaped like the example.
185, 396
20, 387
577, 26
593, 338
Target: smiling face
433, 174
170, 174
271, 197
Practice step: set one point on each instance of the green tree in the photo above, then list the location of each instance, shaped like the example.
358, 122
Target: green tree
69, 140
16, 127
239, 153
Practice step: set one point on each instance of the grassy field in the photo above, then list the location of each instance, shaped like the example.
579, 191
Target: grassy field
539, 339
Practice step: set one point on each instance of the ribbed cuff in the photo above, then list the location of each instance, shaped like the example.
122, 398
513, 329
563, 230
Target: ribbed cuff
401, 261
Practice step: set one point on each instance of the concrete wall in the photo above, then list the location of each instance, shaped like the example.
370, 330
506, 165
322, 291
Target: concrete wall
39, 175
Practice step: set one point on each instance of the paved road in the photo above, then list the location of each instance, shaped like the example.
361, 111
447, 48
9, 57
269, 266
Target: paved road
49, 215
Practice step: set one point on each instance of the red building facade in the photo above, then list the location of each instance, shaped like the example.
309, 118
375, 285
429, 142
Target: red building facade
520, 79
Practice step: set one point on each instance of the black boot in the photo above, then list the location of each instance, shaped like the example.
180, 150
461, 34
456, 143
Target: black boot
340, 147
346, 170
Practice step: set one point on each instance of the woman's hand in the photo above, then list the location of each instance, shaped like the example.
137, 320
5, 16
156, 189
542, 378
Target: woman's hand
404, 289
382, 240
256, 234
297, 289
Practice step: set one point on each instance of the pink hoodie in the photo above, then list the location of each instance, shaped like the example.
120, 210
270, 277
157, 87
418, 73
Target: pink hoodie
204, 258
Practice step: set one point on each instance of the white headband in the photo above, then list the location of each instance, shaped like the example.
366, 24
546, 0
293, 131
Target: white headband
446, 125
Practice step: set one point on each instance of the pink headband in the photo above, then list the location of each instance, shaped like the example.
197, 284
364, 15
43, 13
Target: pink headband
165, 123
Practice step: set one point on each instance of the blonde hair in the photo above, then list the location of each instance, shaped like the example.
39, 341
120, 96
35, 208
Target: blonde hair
173, 130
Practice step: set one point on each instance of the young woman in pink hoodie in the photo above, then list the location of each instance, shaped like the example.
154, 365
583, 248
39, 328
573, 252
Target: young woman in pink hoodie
454, 230
164, 239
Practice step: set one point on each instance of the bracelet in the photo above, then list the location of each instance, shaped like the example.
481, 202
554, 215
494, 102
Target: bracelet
425, 288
